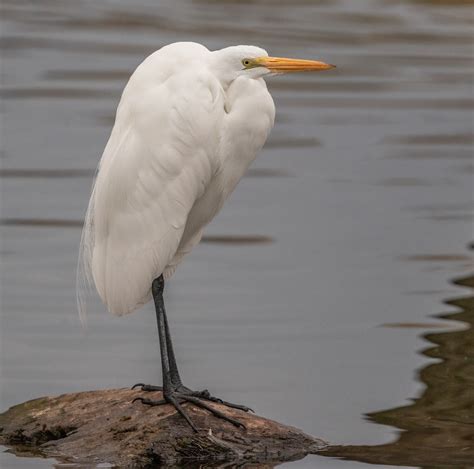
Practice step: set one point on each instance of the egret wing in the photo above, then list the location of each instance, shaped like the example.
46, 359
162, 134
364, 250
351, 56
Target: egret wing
159, 160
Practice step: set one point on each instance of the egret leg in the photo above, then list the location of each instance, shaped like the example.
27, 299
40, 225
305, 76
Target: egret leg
174, 392
159, 285
171, 378
168, 359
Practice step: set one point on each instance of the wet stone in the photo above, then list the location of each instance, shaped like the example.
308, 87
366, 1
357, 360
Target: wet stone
105, 427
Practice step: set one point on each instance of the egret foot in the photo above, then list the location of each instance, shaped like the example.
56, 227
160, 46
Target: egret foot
183, 394
205, 394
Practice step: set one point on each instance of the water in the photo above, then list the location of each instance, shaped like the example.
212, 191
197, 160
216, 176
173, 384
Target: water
356, 216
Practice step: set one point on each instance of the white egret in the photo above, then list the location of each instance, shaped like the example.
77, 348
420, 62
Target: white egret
189, 123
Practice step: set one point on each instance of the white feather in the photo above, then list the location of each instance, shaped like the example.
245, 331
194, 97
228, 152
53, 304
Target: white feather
185, 132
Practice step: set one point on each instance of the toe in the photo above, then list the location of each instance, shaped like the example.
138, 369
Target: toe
181, 410
213, 411
149, 402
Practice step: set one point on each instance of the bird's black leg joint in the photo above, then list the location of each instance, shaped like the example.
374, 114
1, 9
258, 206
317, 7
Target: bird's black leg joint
158, 286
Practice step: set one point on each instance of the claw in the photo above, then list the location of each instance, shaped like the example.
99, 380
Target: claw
147, 387
240, 407
149, 401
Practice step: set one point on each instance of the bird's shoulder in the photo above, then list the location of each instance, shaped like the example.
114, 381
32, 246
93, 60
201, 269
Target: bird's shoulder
163, 147
165, 82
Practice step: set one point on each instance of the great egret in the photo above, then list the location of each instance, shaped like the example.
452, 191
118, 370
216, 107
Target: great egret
189, 123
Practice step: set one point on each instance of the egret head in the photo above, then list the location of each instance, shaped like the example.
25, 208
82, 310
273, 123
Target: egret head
254, 62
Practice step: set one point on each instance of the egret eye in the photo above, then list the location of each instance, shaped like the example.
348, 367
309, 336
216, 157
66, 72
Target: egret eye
246, 62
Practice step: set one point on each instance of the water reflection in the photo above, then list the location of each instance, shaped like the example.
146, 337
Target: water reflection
207, 239
89, 173
434, 139
437, 430
47, 173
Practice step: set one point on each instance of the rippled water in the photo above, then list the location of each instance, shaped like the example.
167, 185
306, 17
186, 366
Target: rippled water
316, 298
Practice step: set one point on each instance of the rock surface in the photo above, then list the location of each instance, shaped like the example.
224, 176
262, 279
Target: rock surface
105, 427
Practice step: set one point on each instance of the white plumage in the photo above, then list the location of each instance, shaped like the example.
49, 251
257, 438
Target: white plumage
182, 139
189, 123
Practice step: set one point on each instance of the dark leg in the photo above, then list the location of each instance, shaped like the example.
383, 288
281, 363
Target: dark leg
157, 290
174, 373
166, 346
173, 390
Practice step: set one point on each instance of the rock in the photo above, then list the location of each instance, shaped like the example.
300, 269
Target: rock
105, 427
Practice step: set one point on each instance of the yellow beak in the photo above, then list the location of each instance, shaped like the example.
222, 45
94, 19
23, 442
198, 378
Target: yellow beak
284, 65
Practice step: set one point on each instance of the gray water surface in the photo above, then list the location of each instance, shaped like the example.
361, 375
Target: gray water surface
356, 216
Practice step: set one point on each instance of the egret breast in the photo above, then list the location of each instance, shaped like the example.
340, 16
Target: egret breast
250, 115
